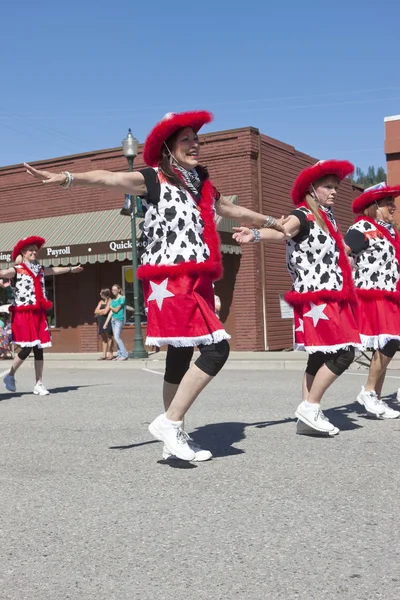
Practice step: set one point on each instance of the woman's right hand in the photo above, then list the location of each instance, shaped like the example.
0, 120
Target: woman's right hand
45, 176
243, 235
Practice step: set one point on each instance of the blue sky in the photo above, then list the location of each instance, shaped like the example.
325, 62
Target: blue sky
321, 76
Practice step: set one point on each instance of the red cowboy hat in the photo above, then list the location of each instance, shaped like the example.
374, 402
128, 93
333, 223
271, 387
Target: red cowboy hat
373, 194
34, 240
167, 126
323, 168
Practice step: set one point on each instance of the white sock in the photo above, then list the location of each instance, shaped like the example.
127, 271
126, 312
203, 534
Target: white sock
308, 404
169, 422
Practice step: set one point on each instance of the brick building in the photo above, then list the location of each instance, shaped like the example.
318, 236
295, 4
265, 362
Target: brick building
392, 149
84, 226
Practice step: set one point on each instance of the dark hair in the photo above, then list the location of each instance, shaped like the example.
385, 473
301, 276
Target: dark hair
371, 211
166, 168
105, 292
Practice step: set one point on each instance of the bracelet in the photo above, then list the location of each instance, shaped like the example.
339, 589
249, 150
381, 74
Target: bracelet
257, 235
269, 222
69, 180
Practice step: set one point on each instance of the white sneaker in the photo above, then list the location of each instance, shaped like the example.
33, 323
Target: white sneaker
200, 454
315, 418
398, 395
10, 383
389, 413
173, 436
40, 390
371, 402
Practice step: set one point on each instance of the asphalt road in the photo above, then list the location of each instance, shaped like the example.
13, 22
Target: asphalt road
90, 511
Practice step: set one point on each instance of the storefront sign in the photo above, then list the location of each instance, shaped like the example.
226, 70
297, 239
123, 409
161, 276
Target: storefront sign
5, 256
56, 252
125, 245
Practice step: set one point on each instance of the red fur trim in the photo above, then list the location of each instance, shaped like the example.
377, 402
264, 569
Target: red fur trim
29, 241
323, 168
43, 305
396, 244
167, 126
369, 197
214, 264
347, 293
372, 295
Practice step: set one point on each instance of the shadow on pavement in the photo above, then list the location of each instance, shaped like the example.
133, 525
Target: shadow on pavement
220, 438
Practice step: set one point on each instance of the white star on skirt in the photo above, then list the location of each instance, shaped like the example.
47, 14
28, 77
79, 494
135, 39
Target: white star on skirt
316, 313
301, 326
159, 292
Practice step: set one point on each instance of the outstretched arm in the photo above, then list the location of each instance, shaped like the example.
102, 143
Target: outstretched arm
225, 208
62, 270
130, 183
7, 273
244, 235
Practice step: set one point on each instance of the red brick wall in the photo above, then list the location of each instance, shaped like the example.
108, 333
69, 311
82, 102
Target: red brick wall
392, 150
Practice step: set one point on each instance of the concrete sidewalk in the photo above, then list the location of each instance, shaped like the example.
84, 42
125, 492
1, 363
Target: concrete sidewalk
258, 361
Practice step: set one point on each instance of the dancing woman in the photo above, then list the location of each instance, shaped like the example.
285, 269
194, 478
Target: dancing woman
29, 308
181, 260
322, 293
374, 246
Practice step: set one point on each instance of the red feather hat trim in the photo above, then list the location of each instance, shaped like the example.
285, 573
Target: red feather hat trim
171, 123
371, 196
29, 241
323, 168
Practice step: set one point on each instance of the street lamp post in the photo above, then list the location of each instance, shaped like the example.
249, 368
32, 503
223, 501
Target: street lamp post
130, 150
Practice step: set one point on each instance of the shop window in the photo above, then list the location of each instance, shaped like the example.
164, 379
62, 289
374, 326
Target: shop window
50, 293
127, 284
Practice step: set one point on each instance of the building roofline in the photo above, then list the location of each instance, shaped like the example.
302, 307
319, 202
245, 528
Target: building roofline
393, 118
118, 149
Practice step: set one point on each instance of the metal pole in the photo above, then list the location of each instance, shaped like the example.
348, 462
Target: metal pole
139, 350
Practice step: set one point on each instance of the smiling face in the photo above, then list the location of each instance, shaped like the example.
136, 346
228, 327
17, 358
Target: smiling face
326, 190
29, 253
186, 147
386, 209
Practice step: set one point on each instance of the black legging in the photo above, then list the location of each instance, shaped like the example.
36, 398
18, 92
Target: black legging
337, 362
25, 352
211, 360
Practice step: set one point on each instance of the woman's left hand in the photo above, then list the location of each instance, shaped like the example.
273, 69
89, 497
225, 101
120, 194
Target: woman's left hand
77, 269
243, 235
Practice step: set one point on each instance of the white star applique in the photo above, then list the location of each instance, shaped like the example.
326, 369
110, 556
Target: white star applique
301, 326
159, 292
316, 313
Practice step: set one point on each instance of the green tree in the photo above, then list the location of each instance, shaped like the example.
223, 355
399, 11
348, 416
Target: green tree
371, 177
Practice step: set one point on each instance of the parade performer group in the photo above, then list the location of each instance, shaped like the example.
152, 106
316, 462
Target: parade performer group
337, 309
182, 259
29, 308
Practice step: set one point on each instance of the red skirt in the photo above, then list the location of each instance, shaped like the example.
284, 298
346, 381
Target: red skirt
29, 328
378, 322
180, 311
325, 327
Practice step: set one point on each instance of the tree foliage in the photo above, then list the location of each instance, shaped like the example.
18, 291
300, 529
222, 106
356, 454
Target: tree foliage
371, 177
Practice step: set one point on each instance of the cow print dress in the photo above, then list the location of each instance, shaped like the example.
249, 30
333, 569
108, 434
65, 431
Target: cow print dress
376, 272
180, 261
28, 312
322, 293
